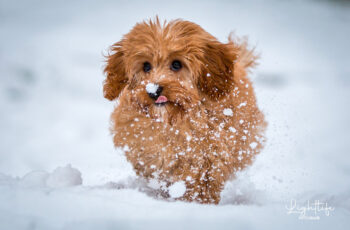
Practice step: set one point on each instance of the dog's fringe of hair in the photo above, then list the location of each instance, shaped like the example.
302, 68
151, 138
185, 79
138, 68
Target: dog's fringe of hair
247, 56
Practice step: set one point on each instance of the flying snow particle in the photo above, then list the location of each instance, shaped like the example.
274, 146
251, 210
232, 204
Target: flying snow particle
228, 112
151, 88
208, 75
177, 189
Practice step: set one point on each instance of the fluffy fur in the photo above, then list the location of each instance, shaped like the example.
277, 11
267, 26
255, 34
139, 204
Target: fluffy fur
194, 137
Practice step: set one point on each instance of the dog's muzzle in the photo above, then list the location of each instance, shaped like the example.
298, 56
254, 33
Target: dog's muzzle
154, 91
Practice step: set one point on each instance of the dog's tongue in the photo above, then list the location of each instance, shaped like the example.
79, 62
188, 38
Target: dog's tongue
161, 99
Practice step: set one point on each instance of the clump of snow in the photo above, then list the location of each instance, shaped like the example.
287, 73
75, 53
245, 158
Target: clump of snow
253, 145
151, 88
63, 177
228, 112
126, 148
154, 184
35, 179
242, 104
232, 129
177, 189
208, 75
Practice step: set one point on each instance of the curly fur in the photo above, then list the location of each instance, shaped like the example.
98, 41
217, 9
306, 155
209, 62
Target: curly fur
190, 138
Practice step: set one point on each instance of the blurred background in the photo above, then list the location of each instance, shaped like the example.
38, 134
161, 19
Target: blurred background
53, 112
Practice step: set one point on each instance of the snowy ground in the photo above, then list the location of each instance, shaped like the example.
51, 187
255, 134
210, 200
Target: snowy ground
58, 168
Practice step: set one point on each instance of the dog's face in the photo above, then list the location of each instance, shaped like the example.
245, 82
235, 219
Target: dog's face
169, 69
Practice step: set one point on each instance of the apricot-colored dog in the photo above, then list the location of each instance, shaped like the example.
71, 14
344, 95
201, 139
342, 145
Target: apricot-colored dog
186, 110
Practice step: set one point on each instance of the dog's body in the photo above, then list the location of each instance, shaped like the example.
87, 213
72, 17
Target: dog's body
186, 109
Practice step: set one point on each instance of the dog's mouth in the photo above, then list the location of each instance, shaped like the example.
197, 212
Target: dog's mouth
161, 100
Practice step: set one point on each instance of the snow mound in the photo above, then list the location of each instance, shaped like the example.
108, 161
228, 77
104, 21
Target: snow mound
177, 189
63, 177
34, 179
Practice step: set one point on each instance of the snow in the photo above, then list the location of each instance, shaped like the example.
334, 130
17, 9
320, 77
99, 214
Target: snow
63, 177
35, 179
228, 112
242, 104
253, 145
232, 129
151, 88
53, 114
177, 189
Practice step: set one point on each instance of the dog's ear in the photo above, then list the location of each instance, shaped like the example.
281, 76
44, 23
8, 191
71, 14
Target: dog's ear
216, 74
116, 75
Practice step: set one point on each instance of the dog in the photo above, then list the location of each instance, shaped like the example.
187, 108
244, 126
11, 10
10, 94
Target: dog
185, 112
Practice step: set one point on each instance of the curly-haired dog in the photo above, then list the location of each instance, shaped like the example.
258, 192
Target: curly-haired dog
186, 111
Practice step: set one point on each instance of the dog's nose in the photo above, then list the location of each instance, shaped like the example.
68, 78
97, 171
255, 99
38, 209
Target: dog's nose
154, 91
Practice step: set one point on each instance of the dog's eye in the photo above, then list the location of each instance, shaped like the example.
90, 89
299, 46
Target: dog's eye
147, 67
176, 65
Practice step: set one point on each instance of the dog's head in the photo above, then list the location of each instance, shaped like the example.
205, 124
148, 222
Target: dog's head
169, 67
